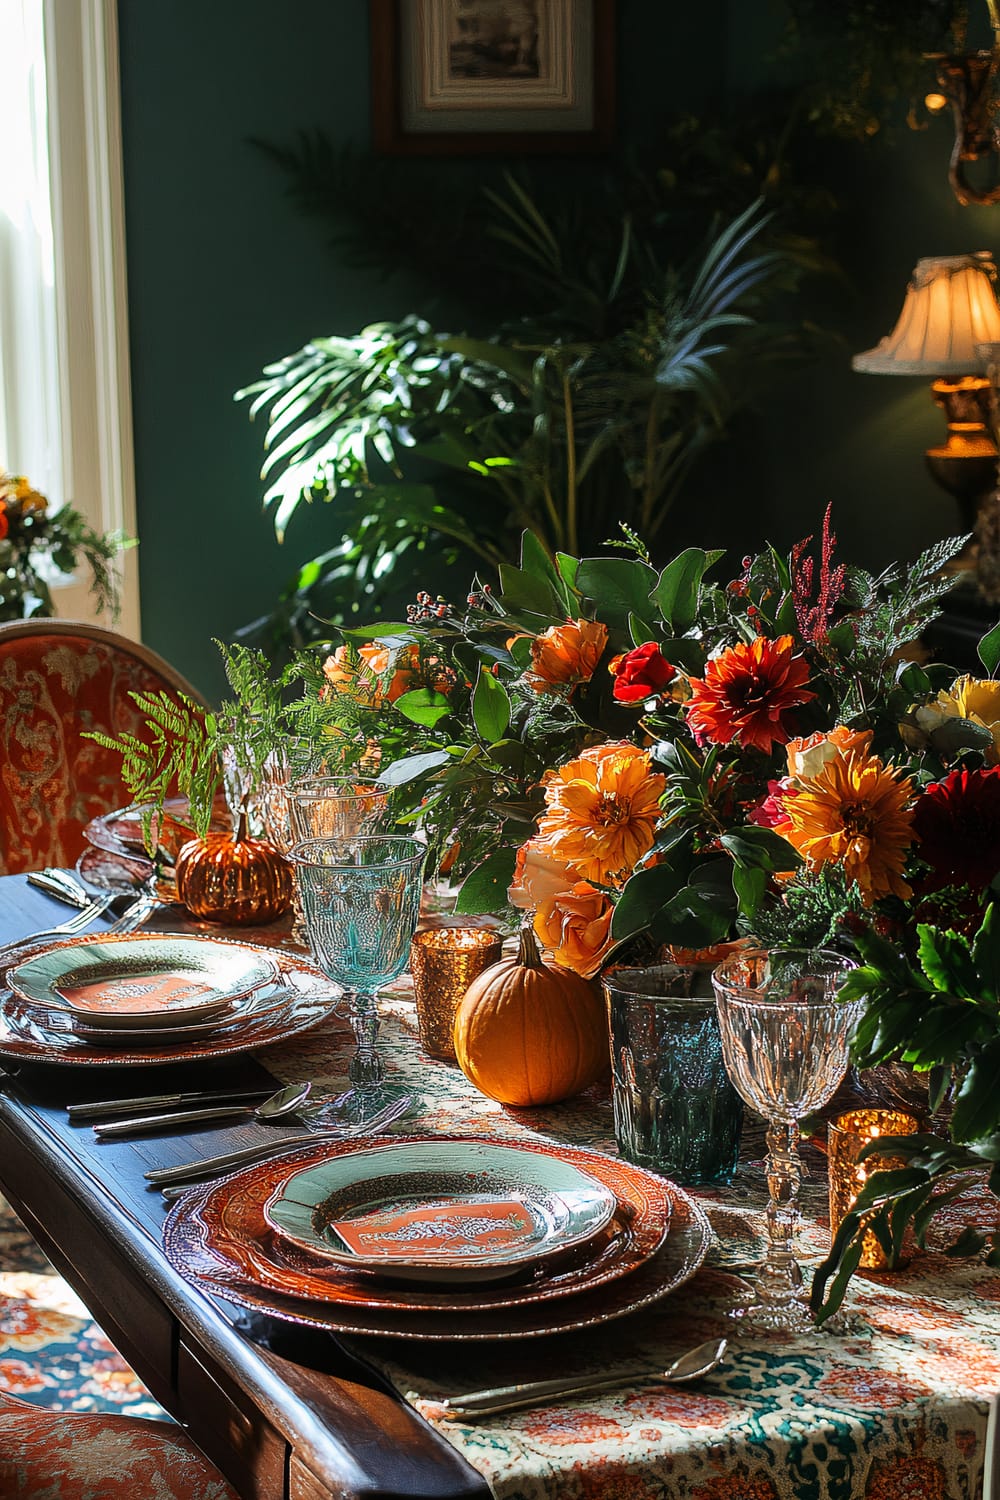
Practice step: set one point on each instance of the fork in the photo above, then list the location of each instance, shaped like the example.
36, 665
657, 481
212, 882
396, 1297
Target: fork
70, 928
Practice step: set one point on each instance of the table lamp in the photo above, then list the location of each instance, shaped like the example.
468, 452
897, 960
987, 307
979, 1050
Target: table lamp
949, 306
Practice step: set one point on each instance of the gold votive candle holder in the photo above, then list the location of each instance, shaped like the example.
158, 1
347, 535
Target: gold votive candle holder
847, 1136
443, 962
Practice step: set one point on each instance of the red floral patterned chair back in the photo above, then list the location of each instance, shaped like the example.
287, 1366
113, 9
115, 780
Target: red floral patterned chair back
76, 1456
59, 680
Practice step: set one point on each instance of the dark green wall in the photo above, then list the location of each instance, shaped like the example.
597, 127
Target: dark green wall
224, 276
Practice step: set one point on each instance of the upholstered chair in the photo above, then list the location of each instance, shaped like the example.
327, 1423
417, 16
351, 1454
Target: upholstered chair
56, 1455
59, 680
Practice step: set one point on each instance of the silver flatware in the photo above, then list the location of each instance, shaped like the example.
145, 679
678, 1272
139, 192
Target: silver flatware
690, 1366
287, 1101
169, 1179
98, 1109
72, 928
61, 885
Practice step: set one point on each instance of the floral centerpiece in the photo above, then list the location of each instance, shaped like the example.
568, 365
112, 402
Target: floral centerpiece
36, 543
652, 760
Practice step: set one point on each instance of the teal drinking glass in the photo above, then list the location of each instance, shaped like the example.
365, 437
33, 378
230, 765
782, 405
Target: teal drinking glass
675, 1110
361, 902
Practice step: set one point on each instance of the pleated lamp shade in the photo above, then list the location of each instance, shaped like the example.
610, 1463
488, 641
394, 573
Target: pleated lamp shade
950, 309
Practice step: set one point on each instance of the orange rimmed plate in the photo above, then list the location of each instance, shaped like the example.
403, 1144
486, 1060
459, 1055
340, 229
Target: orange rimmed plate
217, 1237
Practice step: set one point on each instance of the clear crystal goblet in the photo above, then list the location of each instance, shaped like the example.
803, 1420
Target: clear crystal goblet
337, 807
361, 903
785, 1043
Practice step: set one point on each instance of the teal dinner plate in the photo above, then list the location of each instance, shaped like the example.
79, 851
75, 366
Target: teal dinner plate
138, 980
440, 1211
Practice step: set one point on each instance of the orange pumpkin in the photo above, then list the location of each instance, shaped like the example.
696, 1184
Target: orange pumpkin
528, 1034
227, 877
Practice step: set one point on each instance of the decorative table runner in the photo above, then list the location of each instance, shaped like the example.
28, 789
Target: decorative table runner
895, 1410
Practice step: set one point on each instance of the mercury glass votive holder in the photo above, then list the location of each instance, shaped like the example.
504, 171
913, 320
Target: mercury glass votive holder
443, 962
847, 1136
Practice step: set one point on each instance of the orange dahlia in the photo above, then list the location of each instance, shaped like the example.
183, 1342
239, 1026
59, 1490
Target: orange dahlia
855, 812
748, 692
575, 925
600, 812
566, 654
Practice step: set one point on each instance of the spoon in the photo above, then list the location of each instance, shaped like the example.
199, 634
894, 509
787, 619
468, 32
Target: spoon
286, 1101
690, 1366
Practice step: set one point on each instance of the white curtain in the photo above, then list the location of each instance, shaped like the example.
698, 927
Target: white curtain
30, 422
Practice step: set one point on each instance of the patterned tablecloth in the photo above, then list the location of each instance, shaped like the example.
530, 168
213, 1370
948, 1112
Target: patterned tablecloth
895, 1410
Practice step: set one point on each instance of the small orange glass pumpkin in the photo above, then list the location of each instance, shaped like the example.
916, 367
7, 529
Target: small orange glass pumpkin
229, 878
528, 1034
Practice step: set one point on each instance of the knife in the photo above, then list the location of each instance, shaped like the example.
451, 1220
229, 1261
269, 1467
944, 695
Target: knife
98, 1108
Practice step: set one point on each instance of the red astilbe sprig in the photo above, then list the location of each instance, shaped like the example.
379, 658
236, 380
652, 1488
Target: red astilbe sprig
814, 617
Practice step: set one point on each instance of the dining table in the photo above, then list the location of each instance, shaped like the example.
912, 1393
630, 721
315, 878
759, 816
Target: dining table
344, 1397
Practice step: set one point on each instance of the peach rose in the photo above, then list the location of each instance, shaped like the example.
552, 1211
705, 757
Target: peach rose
807, 757
537, 877
575, 925
565, 655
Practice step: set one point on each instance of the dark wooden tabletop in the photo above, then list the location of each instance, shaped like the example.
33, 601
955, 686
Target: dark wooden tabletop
283, 1411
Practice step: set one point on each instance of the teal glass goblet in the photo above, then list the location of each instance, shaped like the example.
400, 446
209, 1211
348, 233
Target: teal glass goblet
361, 902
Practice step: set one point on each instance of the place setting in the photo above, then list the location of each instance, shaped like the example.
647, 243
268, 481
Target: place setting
153, 998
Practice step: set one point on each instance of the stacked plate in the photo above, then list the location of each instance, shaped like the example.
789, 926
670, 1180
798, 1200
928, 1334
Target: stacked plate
439, 1238
154, 997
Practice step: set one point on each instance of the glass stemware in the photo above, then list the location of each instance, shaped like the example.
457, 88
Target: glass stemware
338, 807
361, 902
785, 1042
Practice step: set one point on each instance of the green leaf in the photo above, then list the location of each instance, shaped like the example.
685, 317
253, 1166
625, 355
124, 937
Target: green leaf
760, 848
411, 767
485, 889
422, 706
988, 649
977, 1107
526, 591
537, 562
490, 707
644, 895
986, 952
676, 592
749, 885
619, 587
946, 959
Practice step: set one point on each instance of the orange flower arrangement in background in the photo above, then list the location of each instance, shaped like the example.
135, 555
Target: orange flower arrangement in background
565, 655
601, 811
748, 692
364, 673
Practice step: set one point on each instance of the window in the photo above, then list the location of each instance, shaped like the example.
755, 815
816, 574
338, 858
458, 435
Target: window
65, 410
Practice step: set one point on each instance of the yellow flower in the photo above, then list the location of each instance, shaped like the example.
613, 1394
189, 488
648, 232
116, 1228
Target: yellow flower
600, 812
856, 813
974, 698
566, 654
575, 925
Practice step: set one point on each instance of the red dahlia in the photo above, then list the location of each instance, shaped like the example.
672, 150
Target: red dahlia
958, 824
747, 694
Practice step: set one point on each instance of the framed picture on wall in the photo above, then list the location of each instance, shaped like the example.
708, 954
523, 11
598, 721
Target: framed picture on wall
476, 76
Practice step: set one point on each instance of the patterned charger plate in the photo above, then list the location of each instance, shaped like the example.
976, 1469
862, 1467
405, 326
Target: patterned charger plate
217, 1237
302, 997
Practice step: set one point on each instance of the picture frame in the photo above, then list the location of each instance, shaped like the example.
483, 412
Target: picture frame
476, 77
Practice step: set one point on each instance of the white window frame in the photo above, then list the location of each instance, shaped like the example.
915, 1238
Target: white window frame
88, 212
